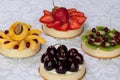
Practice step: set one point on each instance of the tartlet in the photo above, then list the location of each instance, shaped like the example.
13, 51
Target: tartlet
62, 22
101, 42
20, 41
62, 64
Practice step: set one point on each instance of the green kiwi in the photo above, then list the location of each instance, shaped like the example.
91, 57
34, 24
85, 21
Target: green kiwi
100, 28
107, 48
92, 46
84, 37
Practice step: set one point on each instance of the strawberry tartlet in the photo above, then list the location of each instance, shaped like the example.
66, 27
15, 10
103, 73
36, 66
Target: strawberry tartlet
20, 41
62, 22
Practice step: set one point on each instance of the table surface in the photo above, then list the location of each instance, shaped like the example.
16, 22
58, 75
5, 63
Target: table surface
98, 12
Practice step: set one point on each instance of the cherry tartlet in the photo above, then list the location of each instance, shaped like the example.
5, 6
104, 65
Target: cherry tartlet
62, 64
101, 42
62, 22
20, 41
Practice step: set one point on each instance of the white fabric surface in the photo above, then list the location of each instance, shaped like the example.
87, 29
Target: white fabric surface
98, 12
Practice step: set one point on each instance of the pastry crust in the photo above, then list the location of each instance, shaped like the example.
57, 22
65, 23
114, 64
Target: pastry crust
97, 56
80, 77
13, 53
61, 34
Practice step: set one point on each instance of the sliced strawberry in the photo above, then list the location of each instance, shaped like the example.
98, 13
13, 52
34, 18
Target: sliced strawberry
46, 19
54, 24
71, 10
74, 24
64, 27
80, 19
46, 12
76, 13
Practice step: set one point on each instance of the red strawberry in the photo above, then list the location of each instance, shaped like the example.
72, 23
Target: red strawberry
71, 10
64, 27
54, 24
76, 13
46, 12
80, 19
46, 19
74, 24
61, 14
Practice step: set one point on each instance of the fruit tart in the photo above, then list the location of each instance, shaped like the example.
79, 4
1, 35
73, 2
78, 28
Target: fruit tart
62, 64
101, 42
20, 41
62, 22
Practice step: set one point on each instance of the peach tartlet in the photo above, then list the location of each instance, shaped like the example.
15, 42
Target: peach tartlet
20, 41
101, 42
62, 22
62, 64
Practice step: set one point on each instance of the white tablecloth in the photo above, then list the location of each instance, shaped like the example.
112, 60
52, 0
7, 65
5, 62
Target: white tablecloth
98, 12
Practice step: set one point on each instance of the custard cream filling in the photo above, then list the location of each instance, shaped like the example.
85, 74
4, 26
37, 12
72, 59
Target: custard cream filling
52, 75
100, 53
62, 34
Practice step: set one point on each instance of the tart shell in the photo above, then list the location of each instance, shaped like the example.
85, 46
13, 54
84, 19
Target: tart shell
80, 77
62, 34
14, 53
98, 56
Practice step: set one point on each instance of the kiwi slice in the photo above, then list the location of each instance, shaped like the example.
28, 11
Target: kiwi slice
107, 48
100, 28
92, 46
84, 37
117, 46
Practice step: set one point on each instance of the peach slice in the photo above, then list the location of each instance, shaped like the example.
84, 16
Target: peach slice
9, 45
33, 45
36, 31
39, 38
4, 35
22, 45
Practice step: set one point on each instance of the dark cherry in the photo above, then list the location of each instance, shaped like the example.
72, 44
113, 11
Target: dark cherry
35, 40
46, 57
106, 29
6, 31
62, 56
1, 37
91, 36
117, 33
102, 44
117, 40
73, 67
61, 67
16, 46
72, 52
79, 58
93, 30
6, 42
97, 40
105, 38
115, 37
27, 44
52, 50
112, 43
49, 64
62, 48
97, 33
90, 41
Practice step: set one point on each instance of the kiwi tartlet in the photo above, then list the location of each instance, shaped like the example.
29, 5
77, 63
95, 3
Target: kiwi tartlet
101, 42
